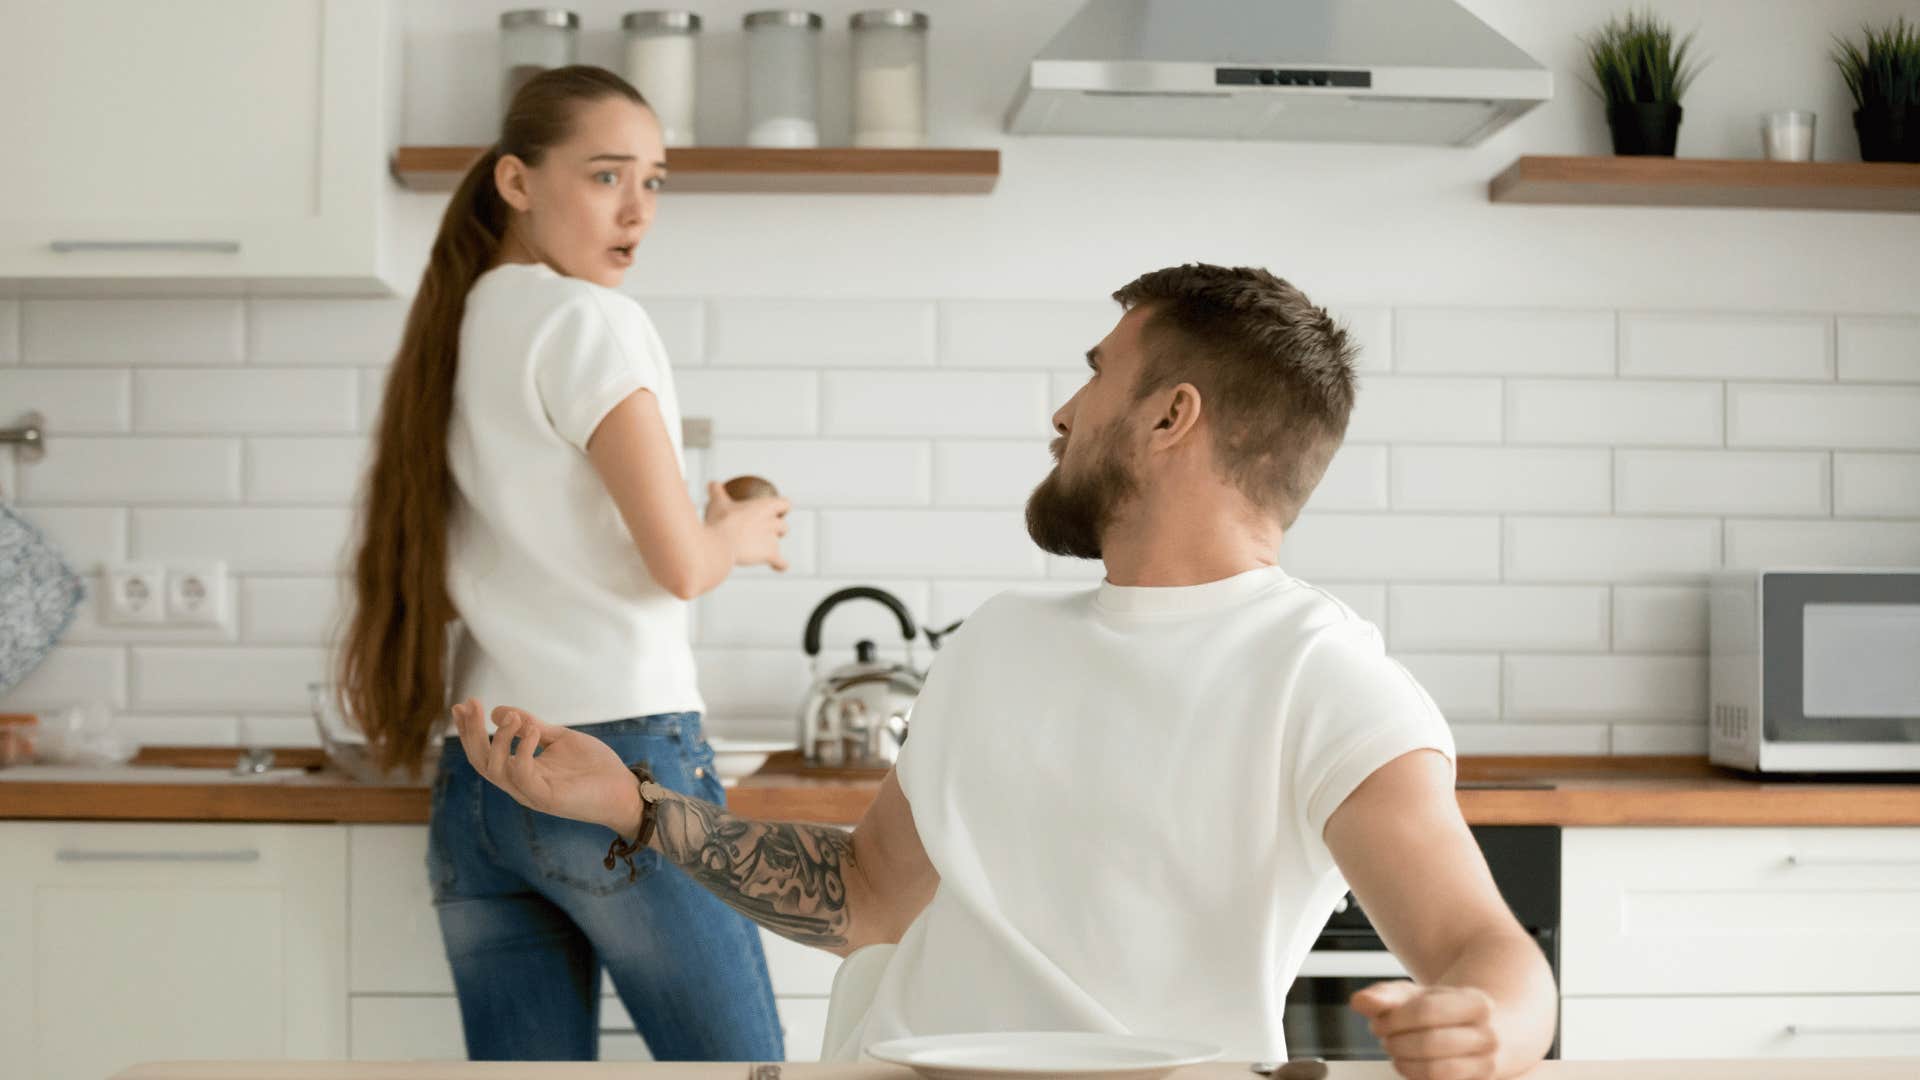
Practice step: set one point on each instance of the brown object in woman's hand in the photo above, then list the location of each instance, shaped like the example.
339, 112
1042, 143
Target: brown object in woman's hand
744, 488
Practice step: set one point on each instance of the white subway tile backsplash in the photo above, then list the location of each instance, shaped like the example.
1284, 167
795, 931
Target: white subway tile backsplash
682, 325
997, 405
1720, 482
1598, 549
1744, 346
152, 730
74, 402
1664, 739
285, 540
750, 403
1502, 478
1519, 618
9, 332
279, 731
1607, 412
1395, 408
820, 333
316, 470
1879, 349
372, 388
1370, 333
1465, 687
1387, 547
1659, 619
1837, 417
1629, 688
988, 474
774, 613
184, 333
1356, 479
71, 675
292, 610
234, 678
948, 543
1754, 545
819, 474
86, 537
280, 402
1531, 739
1876, 485
120, 471
1034, 334
1503, 342
752, 681
320, 333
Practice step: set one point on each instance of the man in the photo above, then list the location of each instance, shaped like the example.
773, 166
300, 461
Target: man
1131, 809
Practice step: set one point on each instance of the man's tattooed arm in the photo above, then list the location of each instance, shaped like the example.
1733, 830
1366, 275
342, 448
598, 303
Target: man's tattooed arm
789, 878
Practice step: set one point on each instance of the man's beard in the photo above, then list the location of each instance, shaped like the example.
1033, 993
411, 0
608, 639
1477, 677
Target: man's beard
1068, 517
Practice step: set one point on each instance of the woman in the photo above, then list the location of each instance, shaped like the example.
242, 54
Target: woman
528, 479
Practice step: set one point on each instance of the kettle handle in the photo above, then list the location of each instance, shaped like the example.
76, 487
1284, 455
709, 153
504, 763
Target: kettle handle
811, 642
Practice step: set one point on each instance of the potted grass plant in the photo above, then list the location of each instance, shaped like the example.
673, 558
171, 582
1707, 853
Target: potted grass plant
1641, 70
1885, 80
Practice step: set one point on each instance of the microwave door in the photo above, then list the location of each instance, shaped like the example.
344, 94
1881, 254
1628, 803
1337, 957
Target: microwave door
1842, 658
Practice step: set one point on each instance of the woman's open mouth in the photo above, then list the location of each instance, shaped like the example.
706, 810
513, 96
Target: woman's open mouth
623, 254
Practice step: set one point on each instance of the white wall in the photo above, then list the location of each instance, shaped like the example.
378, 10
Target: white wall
1570, 415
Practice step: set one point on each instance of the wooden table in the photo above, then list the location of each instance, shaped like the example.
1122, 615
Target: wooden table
1801, 1069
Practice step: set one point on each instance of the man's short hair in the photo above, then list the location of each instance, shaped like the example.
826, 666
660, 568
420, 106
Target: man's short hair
1275, 373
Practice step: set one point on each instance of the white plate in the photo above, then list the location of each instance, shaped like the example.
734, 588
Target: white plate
735, 758
1019, 1055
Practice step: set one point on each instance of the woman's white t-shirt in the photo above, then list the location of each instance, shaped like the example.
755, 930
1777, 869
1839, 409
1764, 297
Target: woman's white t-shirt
1124, 792
561, 617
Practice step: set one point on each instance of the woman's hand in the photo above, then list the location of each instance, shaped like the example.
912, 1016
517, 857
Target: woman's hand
753, 528
575, 776
1432, 1032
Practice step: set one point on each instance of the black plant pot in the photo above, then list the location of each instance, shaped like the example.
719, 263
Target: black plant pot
1644, 128
1888, 134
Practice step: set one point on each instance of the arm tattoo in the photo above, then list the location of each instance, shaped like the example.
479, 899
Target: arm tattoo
789, 878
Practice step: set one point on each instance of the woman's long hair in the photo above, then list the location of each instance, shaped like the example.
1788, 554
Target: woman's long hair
392, 669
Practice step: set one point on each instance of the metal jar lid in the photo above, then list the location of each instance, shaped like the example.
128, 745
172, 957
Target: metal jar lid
557, 18
678, 22
896, 18
799, 20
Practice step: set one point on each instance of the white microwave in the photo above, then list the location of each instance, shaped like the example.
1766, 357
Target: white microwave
1815, 671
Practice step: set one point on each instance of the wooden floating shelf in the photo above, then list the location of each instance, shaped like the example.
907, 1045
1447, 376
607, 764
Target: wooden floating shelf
1657, 181
846, 170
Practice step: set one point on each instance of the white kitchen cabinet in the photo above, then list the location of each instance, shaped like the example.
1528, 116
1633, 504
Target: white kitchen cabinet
397, 951
1836, 1026
1740, 911
197, 145
123, 942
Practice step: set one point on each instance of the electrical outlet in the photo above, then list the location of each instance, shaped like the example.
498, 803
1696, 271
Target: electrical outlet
197, 594
134, 594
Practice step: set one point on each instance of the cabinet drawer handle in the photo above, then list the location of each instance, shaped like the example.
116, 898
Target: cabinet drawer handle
1852, 1029
71, 855
217, 247
1849, 860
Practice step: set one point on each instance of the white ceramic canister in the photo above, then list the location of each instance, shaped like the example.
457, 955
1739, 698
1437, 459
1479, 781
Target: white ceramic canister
663, 64
783, 78
889, 78
531, 41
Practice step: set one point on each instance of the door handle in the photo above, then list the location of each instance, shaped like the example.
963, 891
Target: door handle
247, 855
214, 247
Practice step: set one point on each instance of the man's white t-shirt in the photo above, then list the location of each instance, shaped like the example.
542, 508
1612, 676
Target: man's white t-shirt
561, 617
1124, 792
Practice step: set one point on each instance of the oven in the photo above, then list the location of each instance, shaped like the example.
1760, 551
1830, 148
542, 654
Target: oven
1348, 956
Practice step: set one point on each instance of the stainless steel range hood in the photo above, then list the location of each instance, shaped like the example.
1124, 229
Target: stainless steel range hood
1383, 71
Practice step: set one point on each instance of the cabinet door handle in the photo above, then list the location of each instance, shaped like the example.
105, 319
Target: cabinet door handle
216, 247
1851, 860
242, 856
1853, 1029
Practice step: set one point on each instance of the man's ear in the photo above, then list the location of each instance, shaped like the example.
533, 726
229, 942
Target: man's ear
1179, 417
510, 180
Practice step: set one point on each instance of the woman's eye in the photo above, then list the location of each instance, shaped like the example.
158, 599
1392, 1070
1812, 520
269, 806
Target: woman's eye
655, 183
608, 176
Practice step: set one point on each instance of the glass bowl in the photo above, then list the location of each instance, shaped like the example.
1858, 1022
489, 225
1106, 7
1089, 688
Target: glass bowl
346, 746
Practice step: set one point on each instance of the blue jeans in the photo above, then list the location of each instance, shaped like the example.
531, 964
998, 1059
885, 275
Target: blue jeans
530, 915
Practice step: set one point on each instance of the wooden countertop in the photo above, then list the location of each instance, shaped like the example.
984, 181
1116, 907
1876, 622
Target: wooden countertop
1580, 791
1754, 1069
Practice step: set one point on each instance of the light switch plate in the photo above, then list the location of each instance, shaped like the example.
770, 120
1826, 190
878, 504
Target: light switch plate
197, 594
135, 594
